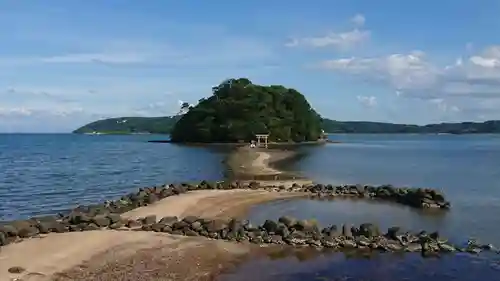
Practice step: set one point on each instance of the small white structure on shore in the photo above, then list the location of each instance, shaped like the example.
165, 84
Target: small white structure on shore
262, 138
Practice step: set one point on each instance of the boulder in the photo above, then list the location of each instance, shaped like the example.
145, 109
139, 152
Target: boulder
394, 232
8, 230
152, 198
270, 226
133, 224
282, 230
157, 227
149, 220
368, 230
196, 226
101, 220
287, 221
3, 239
190, 219
26, 232
114, 218
169, 220
180, 225
346, 231
215, 225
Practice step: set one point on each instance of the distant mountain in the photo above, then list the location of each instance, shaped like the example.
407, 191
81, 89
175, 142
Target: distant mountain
164, 125
365, 127
130, 125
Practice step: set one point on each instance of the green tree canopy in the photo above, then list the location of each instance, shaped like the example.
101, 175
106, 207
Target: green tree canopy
239, 109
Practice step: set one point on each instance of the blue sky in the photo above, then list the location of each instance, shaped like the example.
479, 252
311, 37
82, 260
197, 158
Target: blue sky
71, 62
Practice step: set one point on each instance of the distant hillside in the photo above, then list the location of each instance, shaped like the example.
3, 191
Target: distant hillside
365, 127
130, 125
164, 125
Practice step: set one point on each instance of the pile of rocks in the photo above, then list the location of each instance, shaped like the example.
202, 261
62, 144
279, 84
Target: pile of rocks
413, 197
107, 214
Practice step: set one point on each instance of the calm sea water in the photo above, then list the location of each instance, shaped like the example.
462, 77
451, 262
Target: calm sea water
44, 174
466, 168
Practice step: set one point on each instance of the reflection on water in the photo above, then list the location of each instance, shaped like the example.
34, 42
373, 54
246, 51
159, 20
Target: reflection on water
310, 264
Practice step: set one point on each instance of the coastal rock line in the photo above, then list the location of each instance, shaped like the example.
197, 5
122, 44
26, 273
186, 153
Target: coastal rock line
284, 231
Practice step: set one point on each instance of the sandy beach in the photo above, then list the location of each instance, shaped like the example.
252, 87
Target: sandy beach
137, 255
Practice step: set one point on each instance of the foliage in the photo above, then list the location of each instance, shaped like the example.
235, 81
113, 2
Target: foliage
488, 127
130, 125
237, 110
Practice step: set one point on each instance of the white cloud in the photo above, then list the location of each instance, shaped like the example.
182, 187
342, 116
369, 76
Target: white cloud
343, 40
452, 88
358, 20
369, 101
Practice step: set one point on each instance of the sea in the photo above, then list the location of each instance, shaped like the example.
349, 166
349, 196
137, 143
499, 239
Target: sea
49, 173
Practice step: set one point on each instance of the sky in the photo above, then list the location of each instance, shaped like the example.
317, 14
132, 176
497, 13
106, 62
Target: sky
74, 61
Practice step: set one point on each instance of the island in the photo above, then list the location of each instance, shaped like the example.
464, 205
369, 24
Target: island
238, 110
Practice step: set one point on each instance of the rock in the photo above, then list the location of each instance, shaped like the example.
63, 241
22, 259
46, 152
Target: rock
254, 185
276, 239
116, 225
27, 232
89, 227
235, 225
16, 270
133, 224
270, 226
190, 219
282, 230
334, 231
169, 220
167, 229
3, 239
157, 227
151, 198
368, 230
8, 230
346, 231
394, 232
180, 225
363, 241
215, 225
348, 244
309, 226
101, 220
287, 221
446, 248
149, 220
196, 226
114, 218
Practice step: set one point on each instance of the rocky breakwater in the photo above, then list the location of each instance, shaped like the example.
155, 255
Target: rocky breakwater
424, 198
289, 231
107, 214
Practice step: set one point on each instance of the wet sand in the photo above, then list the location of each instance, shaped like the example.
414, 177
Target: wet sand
136, 255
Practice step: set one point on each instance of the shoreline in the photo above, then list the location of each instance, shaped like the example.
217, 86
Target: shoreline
55, 255
119, 254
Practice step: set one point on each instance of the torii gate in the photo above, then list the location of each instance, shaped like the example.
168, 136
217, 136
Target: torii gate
262, 137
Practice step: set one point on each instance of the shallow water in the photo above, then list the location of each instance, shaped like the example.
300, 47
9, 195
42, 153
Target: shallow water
466, 168
45, 174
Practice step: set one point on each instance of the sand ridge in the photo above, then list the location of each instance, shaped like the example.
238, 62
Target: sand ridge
52, 253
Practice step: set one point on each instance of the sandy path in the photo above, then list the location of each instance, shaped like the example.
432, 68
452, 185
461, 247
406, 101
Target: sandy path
43, 257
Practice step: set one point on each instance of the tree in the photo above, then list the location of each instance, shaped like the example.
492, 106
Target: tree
239, 109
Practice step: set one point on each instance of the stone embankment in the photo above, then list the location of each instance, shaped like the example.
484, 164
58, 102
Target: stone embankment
284, 231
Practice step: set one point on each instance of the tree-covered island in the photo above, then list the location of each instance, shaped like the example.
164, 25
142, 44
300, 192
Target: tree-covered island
237, 110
